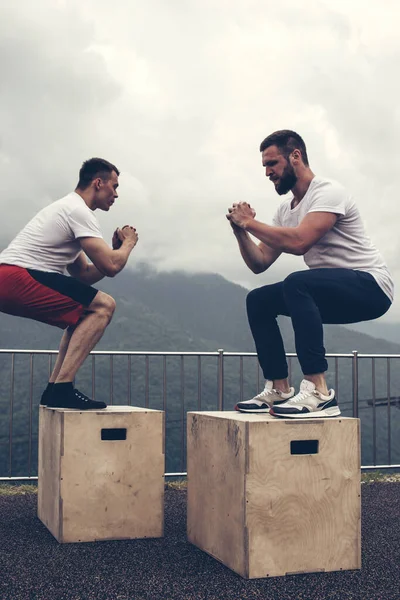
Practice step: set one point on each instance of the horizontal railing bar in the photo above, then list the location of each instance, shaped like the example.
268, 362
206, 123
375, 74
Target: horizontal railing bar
363, 468
184, 474
192, 353
117, 352
4, 479
376, 467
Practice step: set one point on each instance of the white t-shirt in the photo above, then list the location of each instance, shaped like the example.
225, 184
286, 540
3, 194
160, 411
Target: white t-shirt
50, 241
346, 245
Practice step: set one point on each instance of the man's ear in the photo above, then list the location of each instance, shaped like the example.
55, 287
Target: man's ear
297, 154
295, 157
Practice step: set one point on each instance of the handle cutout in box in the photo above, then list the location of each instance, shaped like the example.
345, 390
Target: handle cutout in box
113, 434
304, 447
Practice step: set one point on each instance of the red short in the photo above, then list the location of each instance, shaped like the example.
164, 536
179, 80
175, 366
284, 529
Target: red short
48, 297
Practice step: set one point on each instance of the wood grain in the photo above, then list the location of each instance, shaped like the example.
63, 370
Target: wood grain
288, 513
216, 467
107, 489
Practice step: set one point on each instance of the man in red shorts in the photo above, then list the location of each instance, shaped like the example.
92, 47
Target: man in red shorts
34, 284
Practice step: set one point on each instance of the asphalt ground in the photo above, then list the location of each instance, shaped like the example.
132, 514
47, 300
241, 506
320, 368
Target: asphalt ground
33, 565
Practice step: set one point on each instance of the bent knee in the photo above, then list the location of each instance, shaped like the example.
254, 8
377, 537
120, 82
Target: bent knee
104, 304
108, 304
252, 298
294, 279
261, 295
256, 300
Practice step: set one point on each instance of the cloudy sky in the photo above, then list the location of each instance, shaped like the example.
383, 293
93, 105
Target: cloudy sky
179, 94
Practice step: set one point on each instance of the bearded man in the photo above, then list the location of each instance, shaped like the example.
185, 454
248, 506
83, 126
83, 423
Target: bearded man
347, 280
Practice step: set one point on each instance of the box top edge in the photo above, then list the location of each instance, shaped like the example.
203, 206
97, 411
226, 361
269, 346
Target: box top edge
113, 409
264, 417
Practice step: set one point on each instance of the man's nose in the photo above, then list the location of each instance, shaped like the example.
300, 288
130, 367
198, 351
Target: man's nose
268, 171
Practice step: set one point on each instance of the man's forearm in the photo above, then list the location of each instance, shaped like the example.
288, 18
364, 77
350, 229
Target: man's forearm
282, 239
251, 253
119, 257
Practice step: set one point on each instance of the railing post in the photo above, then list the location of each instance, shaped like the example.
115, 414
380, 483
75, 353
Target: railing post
355, 383
220, 379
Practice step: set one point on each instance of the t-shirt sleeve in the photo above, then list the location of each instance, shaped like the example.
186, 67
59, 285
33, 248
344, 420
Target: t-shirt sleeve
329, 197
276, 219
84, 223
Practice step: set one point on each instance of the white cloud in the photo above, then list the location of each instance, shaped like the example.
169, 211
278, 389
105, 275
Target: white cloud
179, 95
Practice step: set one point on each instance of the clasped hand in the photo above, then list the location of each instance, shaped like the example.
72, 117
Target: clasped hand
240, 214
126, 233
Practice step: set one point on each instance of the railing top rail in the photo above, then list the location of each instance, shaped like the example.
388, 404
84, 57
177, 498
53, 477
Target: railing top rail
191, 353
115, 352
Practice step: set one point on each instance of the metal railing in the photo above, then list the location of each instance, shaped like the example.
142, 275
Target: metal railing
366, 385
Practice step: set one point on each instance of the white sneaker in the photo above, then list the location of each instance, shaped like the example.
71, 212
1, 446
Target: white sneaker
308, 403
264, 400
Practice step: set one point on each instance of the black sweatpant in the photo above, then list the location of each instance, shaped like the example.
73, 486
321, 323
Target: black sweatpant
310, 298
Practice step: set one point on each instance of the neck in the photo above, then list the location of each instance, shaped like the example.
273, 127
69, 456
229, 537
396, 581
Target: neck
302, 185
87, 196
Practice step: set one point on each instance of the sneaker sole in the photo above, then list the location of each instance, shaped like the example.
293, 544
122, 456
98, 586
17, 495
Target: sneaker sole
81, 408
71, 408
252, 410
318, 414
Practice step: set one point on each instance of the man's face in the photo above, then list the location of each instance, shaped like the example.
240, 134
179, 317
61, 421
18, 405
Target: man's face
106, 191
278, 170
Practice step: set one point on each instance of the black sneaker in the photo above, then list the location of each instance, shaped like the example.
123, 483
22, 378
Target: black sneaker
74, 399
46, 394
45, 398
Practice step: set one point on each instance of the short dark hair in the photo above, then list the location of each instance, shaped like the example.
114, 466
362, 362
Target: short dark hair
286, 141
93, 168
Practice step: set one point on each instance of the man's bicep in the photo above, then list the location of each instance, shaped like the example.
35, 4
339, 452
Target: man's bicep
98, 252
314, 226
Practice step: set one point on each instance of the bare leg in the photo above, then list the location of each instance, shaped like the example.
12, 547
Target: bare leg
319, 381
85, 336
61, 353
282, 385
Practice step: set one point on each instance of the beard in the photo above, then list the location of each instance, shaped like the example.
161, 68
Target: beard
287, 181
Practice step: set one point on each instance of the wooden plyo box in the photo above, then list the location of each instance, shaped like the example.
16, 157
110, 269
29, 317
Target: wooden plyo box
96, 485
270, 497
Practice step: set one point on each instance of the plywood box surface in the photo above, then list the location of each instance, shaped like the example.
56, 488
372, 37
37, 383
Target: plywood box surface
93, 483
270, 496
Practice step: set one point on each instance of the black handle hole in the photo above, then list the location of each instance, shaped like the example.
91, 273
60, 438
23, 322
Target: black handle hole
304, 447
113, 434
